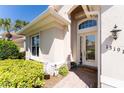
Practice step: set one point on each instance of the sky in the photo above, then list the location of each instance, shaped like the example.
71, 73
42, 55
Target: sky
22, 12
91, 38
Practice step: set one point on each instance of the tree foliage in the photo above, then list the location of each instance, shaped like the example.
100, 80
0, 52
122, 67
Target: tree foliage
8, 49
6, 25
20, 24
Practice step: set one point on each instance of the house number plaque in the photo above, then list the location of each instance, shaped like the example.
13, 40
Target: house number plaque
114, 49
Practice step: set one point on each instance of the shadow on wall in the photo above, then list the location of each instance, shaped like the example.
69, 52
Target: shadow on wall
47, 39
107, 41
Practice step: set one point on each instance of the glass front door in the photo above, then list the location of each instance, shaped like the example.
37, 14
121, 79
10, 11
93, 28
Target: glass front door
88, 45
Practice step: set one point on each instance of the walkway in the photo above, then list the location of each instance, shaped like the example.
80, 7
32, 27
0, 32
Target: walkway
79, 78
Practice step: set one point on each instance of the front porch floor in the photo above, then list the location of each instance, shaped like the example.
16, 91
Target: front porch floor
80, 77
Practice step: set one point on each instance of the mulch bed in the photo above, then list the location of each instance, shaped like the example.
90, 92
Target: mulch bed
52, 81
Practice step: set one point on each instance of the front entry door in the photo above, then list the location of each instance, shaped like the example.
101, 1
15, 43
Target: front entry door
88, 49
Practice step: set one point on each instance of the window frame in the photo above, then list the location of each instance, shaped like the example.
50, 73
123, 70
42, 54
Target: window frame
85, 22
37, 55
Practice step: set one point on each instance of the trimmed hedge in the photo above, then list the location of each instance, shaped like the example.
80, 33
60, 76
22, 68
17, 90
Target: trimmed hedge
63, 70
21, 74
21, 55
8, 49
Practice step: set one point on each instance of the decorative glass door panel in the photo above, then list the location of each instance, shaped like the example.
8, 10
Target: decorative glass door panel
90, 47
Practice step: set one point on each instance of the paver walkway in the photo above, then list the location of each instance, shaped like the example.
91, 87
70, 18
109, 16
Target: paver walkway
79, 78
71, 81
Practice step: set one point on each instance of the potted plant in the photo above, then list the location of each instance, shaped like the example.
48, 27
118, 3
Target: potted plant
73, 65
46, 76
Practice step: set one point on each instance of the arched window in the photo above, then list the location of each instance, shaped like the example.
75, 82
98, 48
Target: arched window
88, 23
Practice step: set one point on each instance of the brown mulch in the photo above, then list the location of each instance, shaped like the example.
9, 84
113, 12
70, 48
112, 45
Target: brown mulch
52, 81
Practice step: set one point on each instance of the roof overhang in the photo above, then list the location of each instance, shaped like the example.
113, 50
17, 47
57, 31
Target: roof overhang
89, 10
47, 19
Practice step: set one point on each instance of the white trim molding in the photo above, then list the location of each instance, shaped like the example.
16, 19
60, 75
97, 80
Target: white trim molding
116, 83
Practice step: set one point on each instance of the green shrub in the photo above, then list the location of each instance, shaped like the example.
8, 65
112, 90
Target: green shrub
8, 49
21, 55
63, 70
21, 74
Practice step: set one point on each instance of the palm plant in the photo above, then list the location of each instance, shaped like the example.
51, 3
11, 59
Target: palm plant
24, 23
7, 26
1, 22
20, 24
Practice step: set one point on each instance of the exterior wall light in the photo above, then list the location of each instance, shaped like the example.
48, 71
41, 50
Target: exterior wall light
115, 31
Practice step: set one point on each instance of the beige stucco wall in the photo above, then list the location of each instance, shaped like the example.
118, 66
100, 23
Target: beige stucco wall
72, 31
28, 51
55, 43
74, 39
64, 11
51, 45
71, 35
54, 47
112, 62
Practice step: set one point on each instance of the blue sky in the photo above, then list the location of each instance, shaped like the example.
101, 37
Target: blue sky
22, 12
91, 38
